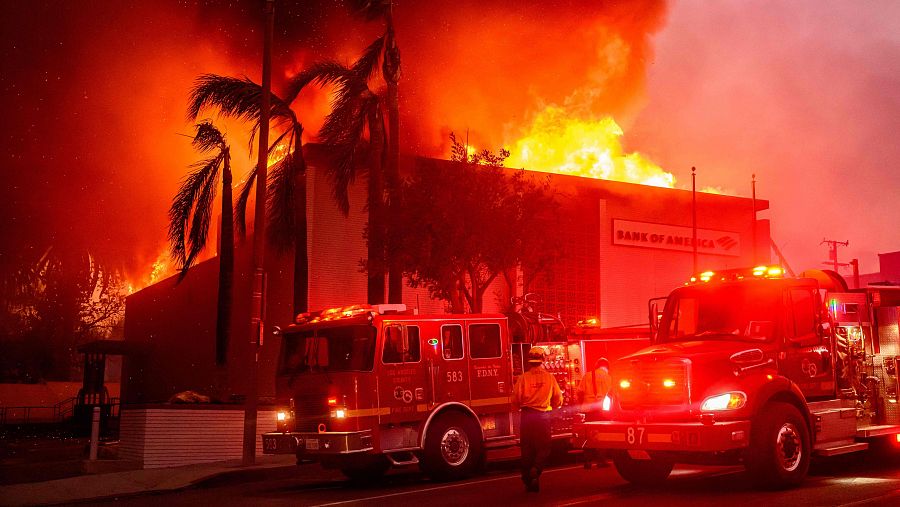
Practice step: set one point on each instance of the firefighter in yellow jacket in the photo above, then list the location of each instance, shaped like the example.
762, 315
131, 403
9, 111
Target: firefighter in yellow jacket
595, 385
536, 394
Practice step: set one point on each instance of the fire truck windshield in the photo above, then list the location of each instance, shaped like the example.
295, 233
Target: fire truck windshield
724, 312
342, 348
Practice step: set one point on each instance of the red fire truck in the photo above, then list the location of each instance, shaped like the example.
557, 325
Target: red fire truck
749, 367
364, 388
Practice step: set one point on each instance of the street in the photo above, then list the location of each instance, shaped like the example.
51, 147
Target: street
857, 480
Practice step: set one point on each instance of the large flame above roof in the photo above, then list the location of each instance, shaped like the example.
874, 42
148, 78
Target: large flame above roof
559, 143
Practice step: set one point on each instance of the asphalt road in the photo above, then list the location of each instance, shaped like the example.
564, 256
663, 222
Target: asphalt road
854, 480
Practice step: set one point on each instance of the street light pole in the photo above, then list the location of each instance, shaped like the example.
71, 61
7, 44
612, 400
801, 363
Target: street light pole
257, 300
694, 212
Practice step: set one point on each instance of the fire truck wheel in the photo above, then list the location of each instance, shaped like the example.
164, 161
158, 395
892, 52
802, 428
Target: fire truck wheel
779, 452
648, 473
367, 472
453, 448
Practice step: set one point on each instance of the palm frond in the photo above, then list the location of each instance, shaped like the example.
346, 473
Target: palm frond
208, 137
343, 131
240, 207
199, 230
238, 98
367, 64
320, 73
193, 195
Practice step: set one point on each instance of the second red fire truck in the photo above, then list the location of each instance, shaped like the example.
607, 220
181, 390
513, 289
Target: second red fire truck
749, 367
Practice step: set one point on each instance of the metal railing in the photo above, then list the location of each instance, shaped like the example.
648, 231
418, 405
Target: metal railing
56, 413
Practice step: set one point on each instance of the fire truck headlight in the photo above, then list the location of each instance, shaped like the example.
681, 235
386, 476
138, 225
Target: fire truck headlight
726, 401
340, 413
606, 403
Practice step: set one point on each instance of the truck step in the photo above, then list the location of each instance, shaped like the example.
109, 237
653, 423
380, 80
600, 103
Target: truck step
500, 443
842, 449
399, 459
877, 430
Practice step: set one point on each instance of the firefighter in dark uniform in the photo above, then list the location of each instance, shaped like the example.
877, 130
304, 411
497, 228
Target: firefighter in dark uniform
536, 394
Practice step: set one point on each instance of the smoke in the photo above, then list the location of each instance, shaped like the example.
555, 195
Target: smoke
802, 94
95, 93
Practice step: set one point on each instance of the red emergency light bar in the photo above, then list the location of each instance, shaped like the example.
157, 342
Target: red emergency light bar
347, 312
730, 275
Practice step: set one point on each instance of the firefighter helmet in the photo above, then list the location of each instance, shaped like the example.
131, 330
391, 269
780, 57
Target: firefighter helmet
536, 355
601, 362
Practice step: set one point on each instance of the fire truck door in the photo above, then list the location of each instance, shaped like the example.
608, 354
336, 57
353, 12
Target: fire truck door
489, 370
449, 365
806, 358
403, 379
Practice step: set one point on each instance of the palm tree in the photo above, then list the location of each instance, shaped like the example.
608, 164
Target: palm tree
189, 219
240, 98
390, 72
355, 130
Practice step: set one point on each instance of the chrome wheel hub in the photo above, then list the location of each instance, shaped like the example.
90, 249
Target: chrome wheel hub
454, 446
789, 447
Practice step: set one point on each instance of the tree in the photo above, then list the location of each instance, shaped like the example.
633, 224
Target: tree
189, 219
466, 223
239, 98
390, 72
354, 131
52, 303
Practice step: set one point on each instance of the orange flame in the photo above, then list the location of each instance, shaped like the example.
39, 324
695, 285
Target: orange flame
559, 143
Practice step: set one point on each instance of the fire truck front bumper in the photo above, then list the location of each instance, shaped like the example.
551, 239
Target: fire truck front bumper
312, 444
676, 437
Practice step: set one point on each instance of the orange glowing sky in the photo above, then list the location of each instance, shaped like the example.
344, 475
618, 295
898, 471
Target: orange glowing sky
802, 93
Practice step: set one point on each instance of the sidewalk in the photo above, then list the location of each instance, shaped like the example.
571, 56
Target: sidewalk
117, 484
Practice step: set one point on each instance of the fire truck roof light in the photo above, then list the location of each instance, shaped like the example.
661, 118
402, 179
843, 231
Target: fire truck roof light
346, 312
332, 401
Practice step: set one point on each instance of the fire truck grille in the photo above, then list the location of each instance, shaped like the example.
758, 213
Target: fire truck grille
309, 411
646, 385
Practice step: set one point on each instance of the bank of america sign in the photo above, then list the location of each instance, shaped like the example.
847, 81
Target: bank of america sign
675, 237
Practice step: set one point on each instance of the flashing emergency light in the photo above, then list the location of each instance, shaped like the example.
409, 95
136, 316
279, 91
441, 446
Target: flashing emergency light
332, 402
281, 416
591, 322
668, 383
347, 312
729, 275
340, 413
624, 383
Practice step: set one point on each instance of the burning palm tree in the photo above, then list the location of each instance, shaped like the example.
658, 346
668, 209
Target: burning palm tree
390, 72
354, 130
189, 219
239, 98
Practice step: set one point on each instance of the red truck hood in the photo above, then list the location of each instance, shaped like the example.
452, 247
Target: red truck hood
697, 351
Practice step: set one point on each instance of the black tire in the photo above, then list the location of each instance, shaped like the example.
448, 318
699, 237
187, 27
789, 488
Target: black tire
779, 451
453, 448
367, 471
647, 473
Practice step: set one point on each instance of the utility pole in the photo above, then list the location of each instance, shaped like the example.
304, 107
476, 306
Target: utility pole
694, 212
833, 255
258, 298
753, 223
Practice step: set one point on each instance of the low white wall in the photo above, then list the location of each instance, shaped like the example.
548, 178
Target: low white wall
167, 437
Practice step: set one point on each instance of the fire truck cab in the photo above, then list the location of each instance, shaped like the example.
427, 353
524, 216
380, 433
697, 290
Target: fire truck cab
364, 388
747, 366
